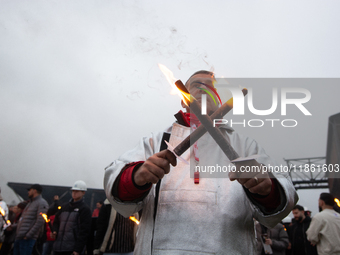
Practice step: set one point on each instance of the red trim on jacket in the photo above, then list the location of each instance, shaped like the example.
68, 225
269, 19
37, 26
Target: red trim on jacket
127, 190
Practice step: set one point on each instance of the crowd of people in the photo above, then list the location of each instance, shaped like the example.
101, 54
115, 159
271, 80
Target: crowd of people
68, 231
34, 227
304, 235
183, 211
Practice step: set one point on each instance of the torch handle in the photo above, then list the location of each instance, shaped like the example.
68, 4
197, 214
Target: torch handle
201, 130
205, 120
214, 132
50, 225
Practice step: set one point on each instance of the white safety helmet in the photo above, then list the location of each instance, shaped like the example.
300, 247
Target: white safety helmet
79, 185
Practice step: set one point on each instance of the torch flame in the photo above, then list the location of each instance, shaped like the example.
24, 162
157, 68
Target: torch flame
171, 79
337, 201
45, 217
134, 219
2, 211
168, 75
59, 207
8, 222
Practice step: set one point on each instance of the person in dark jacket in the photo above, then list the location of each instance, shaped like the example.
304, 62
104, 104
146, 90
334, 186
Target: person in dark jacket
72, 223
298, 238
276, 237
30, 222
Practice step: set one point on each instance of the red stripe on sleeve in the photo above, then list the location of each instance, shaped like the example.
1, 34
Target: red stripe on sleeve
127, 190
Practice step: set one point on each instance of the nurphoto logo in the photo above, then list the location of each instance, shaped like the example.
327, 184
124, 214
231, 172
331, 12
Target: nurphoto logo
280, 99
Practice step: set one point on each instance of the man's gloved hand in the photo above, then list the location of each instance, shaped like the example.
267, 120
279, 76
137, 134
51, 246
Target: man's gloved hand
257, 182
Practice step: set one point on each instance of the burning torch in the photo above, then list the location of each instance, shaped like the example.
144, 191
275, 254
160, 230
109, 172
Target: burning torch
207, 123
337, 201
3, 213
134, 220
47, 220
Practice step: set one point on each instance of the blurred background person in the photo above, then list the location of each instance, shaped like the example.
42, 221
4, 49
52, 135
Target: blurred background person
3, 218
72, 223
287, 224
324, 230
97, 209
300, 244
10, 232
95, 213
115, 234
49, 237
30, 222
54, 207
276, 238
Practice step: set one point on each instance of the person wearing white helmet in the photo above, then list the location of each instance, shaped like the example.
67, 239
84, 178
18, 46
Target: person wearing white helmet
78, 190
72, 223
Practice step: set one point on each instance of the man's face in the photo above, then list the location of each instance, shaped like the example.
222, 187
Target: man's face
298, 215
98, 205
15, 209
77, 195
31, 193
195, 86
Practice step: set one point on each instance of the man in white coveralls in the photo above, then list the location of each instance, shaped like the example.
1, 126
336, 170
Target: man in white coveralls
180, 216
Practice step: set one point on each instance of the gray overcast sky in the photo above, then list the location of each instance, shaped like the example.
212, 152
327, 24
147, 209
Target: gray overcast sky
79, 81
